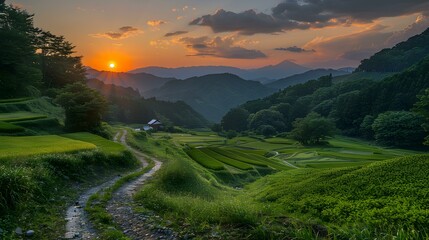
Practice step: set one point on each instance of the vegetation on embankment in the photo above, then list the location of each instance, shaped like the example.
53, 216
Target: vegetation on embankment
384, 200
192, 199
35, 189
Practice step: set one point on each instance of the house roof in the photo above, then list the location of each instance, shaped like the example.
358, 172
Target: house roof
154, 122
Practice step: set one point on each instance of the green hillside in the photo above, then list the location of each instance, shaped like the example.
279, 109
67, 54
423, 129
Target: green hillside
398, 58
304, 77
378, 197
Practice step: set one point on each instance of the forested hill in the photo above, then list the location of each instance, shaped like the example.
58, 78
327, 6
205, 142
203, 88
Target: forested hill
353, 105
398, 58
211, 95
126, 105
304, 77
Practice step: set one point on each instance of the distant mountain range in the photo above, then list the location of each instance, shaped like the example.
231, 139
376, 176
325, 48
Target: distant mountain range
140, 81
304, 77
263, 74
211, 95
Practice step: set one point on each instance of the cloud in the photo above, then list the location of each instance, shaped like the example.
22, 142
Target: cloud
221, 47
162, 44
123, 33
361, 45
246, 23
170, 34
155, 23
305, 14
295, 49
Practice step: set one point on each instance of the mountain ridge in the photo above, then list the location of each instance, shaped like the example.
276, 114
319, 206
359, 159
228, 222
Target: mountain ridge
280, 70
304, 77
211, 95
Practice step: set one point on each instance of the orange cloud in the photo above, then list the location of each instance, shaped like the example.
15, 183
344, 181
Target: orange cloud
123, 33
155, 23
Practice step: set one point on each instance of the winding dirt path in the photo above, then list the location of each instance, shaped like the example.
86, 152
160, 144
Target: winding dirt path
120, 207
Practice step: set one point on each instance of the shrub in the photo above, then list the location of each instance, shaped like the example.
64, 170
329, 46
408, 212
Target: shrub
267, 130
16, 186
231, 134
399, 129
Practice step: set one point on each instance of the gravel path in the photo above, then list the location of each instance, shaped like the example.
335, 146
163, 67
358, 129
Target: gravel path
78, 225
120, 207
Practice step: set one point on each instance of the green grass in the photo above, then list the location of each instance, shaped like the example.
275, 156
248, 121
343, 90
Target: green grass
237, 155
381, 198
11, 147
226, 160
10, 128
101, 143
35, 190
20, 116
204, 159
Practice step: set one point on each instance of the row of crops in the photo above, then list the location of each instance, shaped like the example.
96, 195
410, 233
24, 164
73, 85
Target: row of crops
216, 159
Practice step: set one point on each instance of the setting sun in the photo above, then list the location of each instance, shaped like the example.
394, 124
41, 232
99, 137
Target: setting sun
112, 65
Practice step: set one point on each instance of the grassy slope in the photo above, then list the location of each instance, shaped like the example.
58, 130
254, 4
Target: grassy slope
10, 128
41, 106
386, 196
20, 116
295, 203
36, 145
101, 143
37, 186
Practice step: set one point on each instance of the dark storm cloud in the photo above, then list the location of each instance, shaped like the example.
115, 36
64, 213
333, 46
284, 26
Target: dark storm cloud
170, 34
225, 47
304, 14
247, 23
295, 49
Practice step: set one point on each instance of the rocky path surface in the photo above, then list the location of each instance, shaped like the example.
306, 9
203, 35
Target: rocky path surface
134, 224
120, 207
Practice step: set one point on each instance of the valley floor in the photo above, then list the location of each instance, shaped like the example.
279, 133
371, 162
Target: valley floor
213, 188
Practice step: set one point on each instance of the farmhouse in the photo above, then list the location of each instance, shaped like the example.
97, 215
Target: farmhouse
155, 124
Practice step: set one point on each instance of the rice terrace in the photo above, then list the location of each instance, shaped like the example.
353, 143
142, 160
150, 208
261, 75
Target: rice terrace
278, 119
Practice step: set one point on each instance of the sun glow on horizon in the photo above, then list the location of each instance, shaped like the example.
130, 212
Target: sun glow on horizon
112, 66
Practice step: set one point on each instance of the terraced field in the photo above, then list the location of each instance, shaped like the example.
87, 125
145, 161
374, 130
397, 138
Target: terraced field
101, 143
10, 128
20, 116
286, 153
205, 160
11, 147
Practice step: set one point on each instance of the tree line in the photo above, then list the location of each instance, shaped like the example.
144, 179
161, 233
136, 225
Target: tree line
35, 62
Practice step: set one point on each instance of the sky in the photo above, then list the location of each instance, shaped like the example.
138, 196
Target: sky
242, 33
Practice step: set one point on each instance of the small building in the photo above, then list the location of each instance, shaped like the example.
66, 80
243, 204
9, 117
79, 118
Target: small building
147, 128
155, 124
